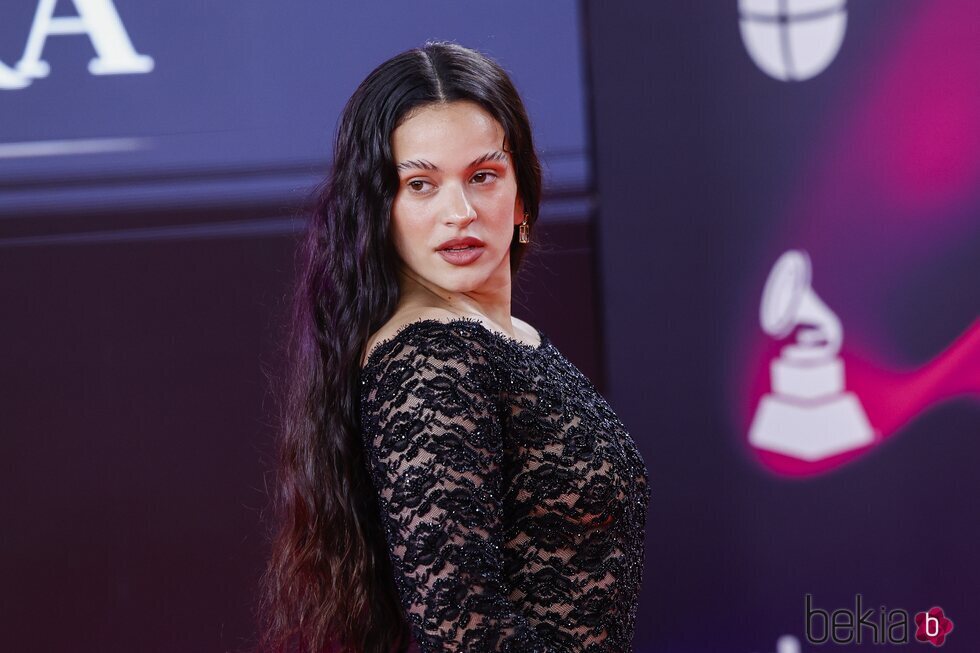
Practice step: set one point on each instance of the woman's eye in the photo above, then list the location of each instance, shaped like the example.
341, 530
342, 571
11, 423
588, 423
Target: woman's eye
484, 177
417, 185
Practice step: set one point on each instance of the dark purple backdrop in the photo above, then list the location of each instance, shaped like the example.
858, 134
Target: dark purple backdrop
708, 170
143, 298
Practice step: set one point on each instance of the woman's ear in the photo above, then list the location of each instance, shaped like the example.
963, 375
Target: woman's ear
518, 211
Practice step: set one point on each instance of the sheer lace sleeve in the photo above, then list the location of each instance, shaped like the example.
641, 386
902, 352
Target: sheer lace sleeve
433, 439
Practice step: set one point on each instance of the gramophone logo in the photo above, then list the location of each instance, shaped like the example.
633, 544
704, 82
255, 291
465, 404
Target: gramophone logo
792, 40
822, 407
808, 415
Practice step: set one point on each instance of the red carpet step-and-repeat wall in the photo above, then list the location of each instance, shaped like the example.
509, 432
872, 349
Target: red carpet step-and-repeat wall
761, 231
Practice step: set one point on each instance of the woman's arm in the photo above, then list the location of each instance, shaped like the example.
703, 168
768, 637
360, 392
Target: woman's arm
433, 440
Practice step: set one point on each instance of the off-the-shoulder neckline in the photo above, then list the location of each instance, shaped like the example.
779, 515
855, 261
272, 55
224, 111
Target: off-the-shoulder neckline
381, 345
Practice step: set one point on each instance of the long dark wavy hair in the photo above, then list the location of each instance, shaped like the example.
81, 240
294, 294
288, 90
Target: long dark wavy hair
328, 585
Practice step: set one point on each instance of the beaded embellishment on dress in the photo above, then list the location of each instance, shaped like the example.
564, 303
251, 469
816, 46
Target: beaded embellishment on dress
513, 499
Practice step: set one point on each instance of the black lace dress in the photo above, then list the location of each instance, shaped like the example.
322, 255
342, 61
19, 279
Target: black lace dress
513, 498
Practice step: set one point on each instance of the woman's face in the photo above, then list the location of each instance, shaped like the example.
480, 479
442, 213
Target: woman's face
455, 181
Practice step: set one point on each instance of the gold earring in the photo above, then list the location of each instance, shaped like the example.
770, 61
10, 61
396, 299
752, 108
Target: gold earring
523, 232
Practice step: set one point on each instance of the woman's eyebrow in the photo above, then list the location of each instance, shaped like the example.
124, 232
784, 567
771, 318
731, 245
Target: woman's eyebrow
422, 164
496, 155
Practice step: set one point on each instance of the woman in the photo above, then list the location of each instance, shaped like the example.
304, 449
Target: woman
446, 475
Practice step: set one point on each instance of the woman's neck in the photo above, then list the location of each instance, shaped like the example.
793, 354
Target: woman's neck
493, 305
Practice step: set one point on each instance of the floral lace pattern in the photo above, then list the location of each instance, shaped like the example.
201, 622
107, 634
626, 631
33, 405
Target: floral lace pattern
514, 500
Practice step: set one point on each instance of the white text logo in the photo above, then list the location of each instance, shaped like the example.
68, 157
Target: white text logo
99, 20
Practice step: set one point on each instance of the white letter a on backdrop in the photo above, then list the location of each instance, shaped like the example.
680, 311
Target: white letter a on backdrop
96, 18
10, 79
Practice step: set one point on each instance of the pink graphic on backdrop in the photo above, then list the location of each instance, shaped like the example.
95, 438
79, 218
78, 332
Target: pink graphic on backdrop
895, 187
901, 172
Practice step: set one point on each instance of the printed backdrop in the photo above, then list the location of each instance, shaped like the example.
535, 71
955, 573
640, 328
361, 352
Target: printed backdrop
790, 247
760, 236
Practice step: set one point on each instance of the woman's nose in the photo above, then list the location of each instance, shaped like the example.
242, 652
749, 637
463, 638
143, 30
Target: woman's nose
460, 208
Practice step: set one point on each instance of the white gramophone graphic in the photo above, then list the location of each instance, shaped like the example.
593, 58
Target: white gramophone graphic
808, 414
792, 40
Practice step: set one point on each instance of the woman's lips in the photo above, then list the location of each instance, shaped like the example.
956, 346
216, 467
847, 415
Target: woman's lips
463, 256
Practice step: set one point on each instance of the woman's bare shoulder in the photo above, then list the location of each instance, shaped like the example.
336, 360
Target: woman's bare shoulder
530, 333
